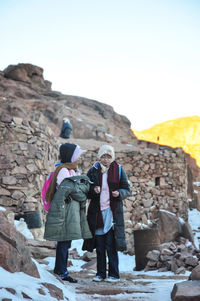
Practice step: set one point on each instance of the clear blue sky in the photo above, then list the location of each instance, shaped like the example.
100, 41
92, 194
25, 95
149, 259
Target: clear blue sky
140, 56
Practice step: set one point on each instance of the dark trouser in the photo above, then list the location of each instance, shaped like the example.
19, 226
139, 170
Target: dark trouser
106, 243
61, 258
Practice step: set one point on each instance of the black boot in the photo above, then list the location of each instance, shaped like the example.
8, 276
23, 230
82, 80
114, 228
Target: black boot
70, 279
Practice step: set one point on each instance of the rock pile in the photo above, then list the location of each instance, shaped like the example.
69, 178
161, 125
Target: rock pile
177, 256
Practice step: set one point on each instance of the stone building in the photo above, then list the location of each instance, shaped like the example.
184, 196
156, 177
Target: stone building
28, 150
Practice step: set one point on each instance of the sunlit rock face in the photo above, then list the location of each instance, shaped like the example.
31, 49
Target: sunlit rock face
182, 132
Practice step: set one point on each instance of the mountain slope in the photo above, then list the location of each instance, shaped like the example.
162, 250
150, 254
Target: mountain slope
24, 93
182, 132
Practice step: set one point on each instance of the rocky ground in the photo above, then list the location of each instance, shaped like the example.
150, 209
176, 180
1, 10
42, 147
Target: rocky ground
131, 287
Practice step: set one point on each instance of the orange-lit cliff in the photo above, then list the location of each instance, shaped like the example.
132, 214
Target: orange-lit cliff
182, 132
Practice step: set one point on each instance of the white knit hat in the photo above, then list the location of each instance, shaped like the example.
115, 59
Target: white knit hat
66, 119
106, 149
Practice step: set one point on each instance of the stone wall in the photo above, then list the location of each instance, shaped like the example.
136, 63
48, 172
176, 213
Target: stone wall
28, 151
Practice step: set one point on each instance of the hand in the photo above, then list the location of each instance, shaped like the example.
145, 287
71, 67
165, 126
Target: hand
97, 189
115, 193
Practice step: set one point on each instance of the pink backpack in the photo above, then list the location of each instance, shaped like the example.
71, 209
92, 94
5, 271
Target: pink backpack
44, 190
45, 186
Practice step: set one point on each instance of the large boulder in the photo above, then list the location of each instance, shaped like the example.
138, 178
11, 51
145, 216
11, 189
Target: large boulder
14, 255
171, 227
27, 73
41, 249
195, 274
186, 291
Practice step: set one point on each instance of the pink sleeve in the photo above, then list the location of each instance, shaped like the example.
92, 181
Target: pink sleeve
63, 173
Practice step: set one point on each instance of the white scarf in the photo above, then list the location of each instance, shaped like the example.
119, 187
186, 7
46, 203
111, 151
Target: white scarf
104, 168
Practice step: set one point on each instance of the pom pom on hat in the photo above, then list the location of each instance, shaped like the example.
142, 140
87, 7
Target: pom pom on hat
106, 149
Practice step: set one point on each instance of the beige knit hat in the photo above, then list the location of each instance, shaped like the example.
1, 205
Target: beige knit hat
106, 149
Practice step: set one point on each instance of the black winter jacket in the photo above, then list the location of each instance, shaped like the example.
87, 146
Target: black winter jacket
119, 231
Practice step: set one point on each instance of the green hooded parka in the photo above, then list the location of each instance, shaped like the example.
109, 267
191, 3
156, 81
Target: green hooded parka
66, 218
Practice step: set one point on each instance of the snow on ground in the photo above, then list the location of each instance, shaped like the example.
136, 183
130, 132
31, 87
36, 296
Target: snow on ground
21, 282
157, 288
194, 221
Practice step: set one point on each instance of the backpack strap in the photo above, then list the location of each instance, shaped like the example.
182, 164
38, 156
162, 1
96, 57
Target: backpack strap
120, 172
